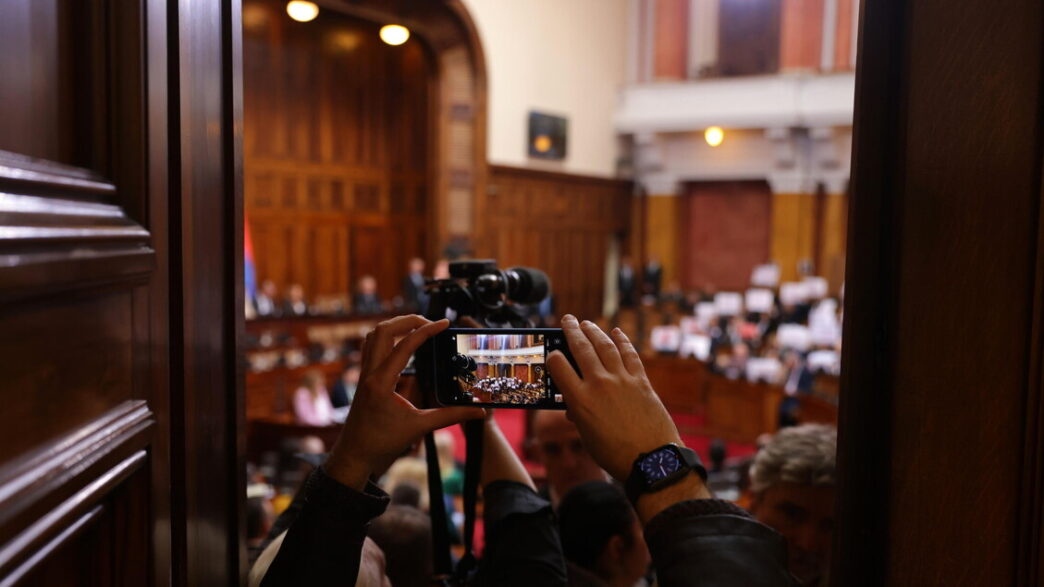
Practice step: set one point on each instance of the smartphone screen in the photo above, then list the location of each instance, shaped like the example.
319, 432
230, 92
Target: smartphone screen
504, 368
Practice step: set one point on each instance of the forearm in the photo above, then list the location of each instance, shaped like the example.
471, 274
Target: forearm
714, 542
522, 545
651, 504
499, 461
323, 545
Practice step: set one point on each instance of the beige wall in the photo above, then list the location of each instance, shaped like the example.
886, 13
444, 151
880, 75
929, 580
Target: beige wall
564, 57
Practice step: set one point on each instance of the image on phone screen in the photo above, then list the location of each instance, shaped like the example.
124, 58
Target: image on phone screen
497, 367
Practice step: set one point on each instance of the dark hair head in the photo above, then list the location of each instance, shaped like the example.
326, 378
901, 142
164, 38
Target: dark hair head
717, 454
406, 493
588, 516
404, 534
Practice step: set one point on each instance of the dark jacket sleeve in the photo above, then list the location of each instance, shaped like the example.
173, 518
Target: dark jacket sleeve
323, 545
522, 544
709, 542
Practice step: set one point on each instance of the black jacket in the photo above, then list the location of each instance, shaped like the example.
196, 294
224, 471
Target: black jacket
701, 542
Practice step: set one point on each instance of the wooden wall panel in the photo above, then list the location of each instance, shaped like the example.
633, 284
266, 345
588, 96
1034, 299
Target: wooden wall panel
801, 35
671, 40
336, 151
834, 227
559, 223
724, 233
662, 224
793, 232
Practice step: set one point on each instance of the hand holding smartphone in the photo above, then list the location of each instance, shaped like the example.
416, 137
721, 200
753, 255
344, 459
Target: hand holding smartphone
502, 368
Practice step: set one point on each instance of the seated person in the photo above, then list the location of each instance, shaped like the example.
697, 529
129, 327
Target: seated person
312, 405
561, 451
404, 535
693, 539
601, 537
295, 304
365, 300
265, 300
344, 389
414, 296
792, 487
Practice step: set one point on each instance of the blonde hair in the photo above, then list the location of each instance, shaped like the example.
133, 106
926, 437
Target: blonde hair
803, 454
413, 471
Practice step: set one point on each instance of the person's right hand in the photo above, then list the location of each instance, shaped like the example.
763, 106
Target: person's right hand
382, 423
614, 406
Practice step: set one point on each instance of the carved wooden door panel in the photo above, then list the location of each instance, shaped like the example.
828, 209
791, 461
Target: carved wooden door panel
83, 310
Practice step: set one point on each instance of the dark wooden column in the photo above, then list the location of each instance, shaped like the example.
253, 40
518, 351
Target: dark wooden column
207, 240
941, 451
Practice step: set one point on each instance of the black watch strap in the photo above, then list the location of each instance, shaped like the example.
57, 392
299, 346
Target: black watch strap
637, 484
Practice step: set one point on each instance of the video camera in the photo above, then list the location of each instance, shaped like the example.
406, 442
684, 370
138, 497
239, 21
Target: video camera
494, 298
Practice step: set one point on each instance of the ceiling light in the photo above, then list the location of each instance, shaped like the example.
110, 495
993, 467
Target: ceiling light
394, 34
714, 136
302, 11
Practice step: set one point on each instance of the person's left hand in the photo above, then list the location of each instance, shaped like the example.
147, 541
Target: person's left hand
382, 423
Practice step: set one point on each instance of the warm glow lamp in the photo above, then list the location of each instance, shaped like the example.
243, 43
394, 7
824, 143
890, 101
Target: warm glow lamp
302, 11
394, 34
714, 136
542, 143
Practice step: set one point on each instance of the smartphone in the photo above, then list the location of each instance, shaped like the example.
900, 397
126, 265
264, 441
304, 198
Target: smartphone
497, 367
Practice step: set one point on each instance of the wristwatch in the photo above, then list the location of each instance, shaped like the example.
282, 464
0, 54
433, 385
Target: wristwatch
660, 468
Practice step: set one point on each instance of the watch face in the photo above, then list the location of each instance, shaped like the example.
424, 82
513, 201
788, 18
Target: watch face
660, 464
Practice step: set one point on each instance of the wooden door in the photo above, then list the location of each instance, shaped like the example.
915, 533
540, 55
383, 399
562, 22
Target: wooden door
80, 385
118, 247
725, 229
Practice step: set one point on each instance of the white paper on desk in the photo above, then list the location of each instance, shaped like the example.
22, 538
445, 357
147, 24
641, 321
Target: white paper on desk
695, 345
793, 293
766, 275
763, 369
759, 300
793, 336
824, 324
823, 361
728, 303
666, 338
704, 310
816, 287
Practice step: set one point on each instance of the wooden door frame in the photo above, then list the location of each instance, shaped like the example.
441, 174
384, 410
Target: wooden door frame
945, 226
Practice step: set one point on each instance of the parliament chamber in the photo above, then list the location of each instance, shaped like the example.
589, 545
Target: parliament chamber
794, 247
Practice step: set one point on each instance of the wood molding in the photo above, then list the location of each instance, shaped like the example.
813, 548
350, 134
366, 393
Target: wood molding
1030, 556
28, 175
40, 554
35, 477
64, 521
56, 244
559, 176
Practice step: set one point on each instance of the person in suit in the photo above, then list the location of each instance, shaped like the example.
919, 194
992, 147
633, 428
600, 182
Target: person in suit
413, 295
626, 283
343, 391
265, 300
295, 304
365, 300
652, 279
